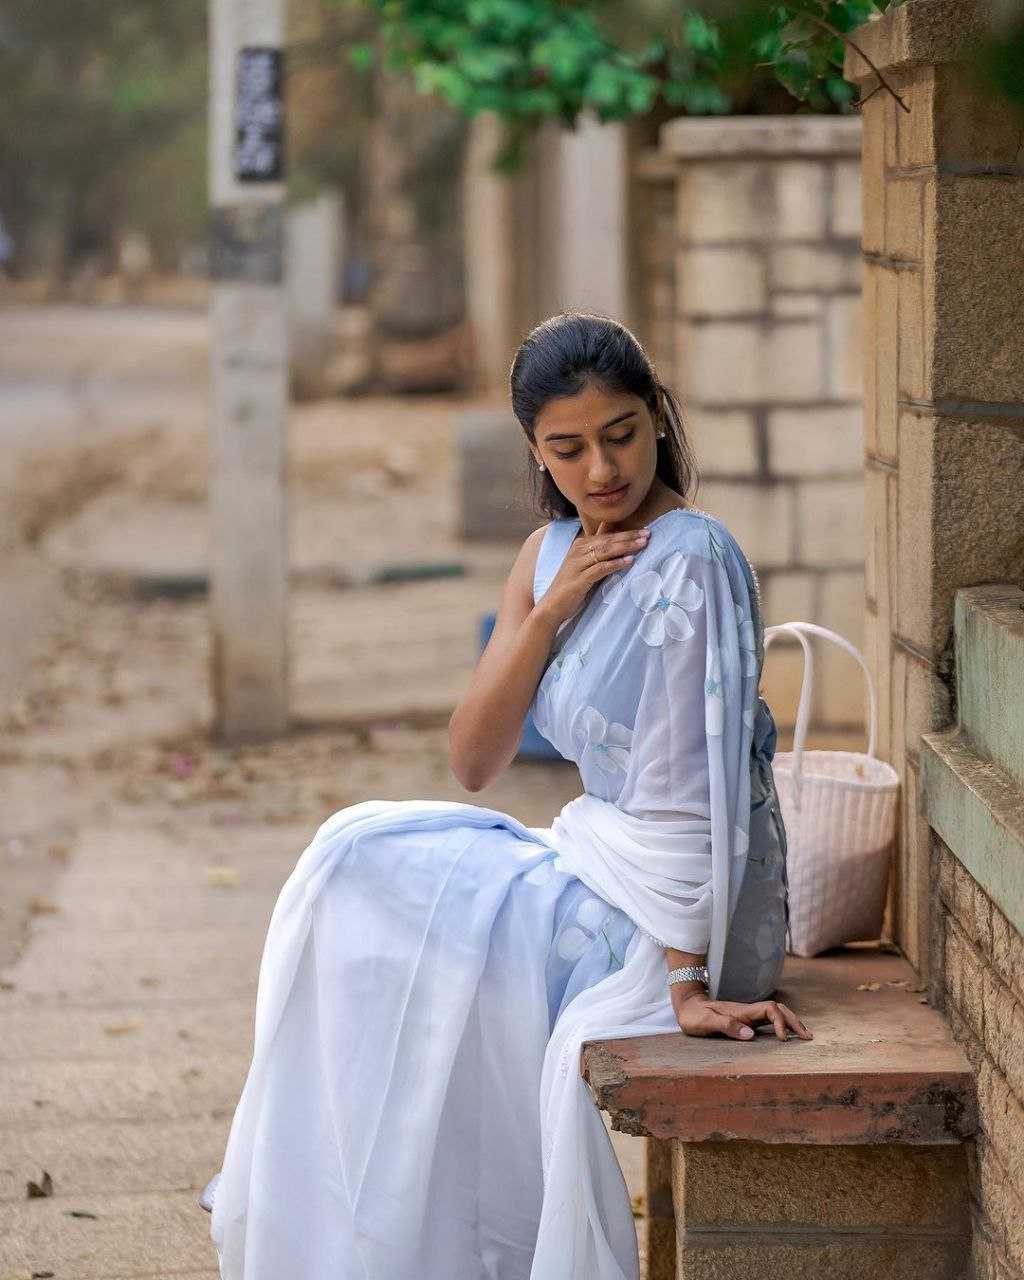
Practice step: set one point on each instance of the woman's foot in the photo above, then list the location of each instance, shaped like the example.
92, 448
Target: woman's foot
209, 1191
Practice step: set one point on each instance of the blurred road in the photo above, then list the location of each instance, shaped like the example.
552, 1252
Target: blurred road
71, 372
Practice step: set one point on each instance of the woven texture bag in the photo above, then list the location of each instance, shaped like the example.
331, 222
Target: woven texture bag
839, 809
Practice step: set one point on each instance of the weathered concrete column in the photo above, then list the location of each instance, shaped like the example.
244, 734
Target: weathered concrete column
551, 236
488, 215
591, 232
944, 381
248, 371
767, 312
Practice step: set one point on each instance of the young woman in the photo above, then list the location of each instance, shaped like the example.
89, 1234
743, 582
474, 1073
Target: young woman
414, 1108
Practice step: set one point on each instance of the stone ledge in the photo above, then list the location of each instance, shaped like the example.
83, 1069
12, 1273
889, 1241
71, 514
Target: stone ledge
979, 814
760, 137
882, 1068
989, 629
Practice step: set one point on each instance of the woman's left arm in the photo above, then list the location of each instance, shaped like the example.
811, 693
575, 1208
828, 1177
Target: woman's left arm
699, 1015
717, 648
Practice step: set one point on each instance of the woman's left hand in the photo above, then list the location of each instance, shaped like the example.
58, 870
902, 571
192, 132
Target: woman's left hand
699, 1015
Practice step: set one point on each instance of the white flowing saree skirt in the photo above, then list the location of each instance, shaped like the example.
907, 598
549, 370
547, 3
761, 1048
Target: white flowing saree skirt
417, 960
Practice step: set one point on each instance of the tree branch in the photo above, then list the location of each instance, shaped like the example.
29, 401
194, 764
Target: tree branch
841, 35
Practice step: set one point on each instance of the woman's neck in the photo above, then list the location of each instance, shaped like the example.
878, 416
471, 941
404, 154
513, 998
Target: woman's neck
659, 499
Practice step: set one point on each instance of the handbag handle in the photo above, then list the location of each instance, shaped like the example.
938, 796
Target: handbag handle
803, 713
799, 629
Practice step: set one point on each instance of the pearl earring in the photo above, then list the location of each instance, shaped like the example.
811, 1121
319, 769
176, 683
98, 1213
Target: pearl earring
540, 466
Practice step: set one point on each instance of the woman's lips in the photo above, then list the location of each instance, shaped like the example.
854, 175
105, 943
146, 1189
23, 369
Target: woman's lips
608, 499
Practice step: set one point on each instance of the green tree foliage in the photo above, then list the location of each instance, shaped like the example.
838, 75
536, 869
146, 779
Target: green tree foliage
532, 60
96, 94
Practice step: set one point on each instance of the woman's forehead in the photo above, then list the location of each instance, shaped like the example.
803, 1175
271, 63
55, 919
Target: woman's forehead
591, 408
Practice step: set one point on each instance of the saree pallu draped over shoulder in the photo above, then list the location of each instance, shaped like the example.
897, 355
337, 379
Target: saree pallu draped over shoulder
430, 964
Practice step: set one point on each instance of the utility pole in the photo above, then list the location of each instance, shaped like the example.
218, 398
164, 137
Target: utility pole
248, 370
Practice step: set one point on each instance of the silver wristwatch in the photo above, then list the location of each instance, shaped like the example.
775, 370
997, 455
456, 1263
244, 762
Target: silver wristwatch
689, 973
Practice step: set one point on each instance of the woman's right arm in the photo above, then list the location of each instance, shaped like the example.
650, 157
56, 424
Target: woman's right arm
486, 726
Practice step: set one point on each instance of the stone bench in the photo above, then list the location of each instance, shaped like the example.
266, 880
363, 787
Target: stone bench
839, 1158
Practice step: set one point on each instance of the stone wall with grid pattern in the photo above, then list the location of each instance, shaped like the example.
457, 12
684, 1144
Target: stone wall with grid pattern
751, 305
943, 177
943, 384
978, 981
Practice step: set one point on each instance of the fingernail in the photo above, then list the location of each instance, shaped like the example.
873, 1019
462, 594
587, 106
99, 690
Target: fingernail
746, 1032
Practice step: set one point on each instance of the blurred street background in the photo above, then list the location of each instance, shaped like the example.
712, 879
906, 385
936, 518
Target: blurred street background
263, 268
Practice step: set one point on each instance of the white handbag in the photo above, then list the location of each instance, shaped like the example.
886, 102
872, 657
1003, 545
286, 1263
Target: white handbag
839, 810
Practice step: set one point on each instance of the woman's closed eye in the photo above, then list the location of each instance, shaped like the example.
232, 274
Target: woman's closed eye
614, 440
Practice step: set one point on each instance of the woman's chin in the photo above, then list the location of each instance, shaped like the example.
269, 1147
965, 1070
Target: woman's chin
614, 509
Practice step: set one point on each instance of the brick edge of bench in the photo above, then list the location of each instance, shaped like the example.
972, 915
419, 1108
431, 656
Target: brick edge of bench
826, 1108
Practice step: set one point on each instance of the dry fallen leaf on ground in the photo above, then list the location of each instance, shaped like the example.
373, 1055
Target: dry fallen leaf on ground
121, 1028
869, 986
41, 1189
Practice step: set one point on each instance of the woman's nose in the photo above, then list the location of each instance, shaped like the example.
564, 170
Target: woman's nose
601, 470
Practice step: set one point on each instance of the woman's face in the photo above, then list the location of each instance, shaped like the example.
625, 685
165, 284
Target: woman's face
597, 441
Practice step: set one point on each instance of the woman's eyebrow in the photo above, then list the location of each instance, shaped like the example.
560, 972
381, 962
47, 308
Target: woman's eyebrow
630, 413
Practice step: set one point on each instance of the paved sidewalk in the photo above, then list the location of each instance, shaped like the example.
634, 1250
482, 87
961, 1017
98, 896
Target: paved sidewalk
126, 1039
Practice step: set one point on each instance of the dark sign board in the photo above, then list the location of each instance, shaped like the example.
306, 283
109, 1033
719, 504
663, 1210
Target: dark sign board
259, 116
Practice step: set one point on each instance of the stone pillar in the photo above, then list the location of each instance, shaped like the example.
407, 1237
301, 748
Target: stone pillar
944, 381
767, 309
750, 1209
591, 229
248, 372
549, 237
488, 218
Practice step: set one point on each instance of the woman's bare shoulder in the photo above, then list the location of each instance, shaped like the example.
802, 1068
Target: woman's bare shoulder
521, 575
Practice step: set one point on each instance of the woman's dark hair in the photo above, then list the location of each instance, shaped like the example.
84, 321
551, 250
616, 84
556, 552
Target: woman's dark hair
558, 358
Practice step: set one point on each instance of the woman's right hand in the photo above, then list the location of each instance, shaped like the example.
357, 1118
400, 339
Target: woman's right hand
581, 570
699, 1015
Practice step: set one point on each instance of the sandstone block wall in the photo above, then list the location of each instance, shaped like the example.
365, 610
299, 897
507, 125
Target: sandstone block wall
749, 278
943, 212
944, 453
978, 981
